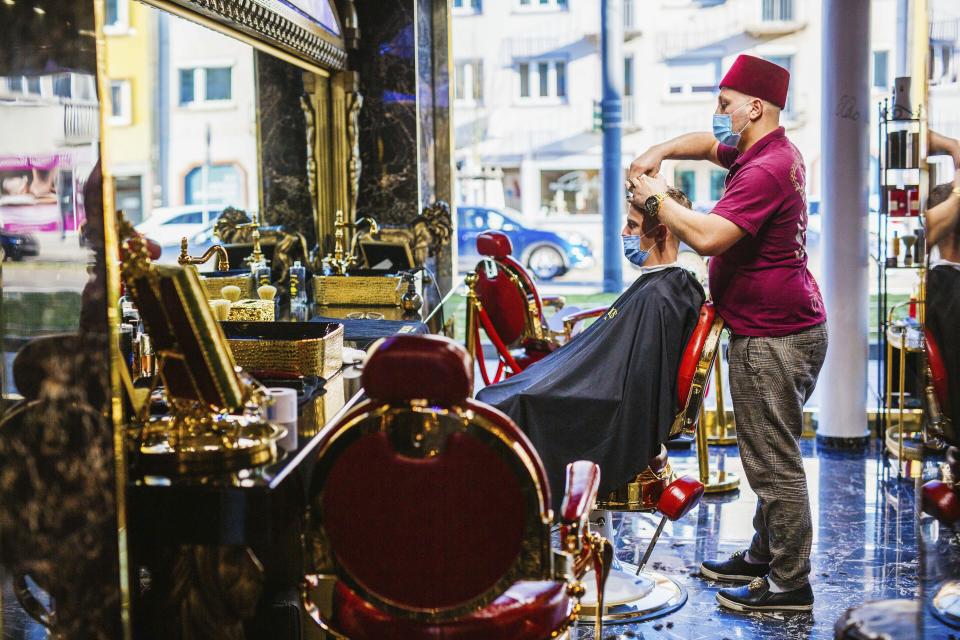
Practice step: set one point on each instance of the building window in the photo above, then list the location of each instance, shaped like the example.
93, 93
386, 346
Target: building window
718, 179
692, 77
128, 197
534, 5
543, 80
468, 6
121, 111
787, 63
206, 84
468, 81
628, 76
62, 85
686, 181
570, 192
117, 17
220, 184
777, 10
880, 76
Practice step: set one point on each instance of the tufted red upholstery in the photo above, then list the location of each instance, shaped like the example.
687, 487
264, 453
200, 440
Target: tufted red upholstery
693, 351
434, 368
526, 611
938, 372
680, 497
494, 244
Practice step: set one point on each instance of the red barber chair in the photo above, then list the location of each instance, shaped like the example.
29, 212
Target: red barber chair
940, 497
503, 299
634, 594
430, 514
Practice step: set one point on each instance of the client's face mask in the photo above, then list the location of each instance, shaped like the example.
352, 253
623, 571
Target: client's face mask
632, 250
723, 127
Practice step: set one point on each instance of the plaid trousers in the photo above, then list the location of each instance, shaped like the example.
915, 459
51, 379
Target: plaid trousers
770, 381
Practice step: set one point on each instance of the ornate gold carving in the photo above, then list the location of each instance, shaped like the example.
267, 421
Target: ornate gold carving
354, 164
233, 227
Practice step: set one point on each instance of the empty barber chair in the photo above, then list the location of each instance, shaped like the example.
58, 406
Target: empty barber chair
429, 513
633, 593
503, 299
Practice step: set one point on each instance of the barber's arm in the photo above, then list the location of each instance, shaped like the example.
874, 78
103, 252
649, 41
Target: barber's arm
690, 146
944, 218
708, 235
938, 144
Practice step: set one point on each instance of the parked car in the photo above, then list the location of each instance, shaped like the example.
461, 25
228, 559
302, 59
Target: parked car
168, 224
16, 246
545, 253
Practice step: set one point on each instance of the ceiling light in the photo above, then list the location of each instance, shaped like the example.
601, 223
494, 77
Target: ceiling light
39, 11
9, 3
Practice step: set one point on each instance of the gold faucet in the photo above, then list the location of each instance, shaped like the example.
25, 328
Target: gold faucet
223, 261
256, 256
341, 260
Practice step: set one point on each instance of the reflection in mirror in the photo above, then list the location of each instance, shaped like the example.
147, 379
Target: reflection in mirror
942, 318
58, 519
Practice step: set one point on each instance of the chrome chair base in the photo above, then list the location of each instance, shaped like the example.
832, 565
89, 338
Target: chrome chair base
631, 598
945, 606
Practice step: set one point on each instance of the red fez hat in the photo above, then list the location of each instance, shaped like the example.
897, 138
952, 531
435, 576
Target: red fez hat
758, 78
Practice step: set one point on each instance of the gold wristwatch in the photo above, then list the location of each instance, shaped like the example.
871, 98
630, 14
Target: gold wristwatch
652, 204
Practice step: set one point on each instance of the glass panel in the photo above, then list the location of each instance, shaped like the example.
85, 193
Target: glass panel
478, 80
186, 86
458, 80
319, 11
218, 84
880, 73
524, 80
113, 11
58, 517
222, 184
561, 79
628, 76
717, 184
543, 72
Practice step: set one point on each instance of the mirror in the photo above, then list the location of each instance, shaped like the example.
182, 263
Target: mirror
57, 494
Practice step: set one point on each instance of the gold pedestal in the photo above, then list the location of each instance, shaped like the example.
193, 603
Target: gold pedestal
720, 432
185, 444
721, 482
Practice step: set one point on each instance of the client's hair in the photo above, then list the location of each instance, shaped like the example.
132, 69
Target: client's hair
680, 197
939, 194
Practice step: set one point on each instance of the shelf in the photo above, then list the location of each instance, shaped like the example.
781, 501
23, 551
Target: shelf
903, 268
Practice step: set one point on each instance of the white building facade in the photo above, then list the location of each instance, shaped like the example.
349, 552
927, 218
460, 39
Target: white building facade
528, 82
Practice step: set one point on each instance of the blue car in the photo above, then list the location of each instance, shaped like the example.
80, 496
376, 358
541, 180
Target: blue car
545, 253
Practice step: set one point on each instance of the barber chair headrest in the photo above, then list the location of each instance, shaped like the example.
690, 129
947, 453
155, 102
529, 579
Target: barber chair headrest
693, 351
403, 368
494, 244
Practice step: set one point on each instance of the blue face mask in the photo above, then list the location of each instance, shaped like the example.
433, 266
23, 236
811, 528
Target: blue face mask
723, 128
632, 250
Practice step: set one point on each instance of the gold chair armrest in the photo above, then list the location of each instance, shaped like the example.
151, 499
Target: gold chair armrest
571, 321
554, 302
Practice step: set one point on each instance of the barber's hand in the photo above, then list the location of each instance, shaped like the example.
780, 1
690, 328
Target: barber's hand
643, 186
647, 164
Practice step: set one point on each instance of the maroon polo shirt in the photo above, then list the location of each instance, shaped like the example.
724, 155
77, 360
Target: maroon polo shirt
761, 285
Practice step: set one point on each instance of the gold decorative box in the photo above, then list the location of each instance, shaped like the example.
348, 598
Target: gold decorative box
252, 311
214, 282
294, 348
358, 290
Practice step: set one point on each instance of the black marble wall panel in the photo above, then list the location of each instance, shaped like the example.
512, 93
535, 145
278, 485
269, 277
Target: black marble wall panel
58, 508
388, 120
283, 147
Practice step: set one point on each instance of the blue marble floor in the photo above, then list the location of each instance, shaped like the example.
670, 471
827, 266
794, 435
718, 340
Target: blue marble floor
865, 547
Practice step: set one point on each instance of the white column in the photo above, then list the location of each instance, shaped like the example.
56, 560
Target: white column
845, 131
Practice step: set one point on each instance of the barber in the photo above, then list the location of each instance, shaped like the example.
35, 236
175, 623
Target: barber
772, 306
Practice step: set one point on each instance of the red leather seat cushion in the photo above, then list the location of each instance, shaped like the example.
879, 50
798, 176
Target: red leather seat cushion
494, 244
693, 351
430, 532
525, 611
403, 368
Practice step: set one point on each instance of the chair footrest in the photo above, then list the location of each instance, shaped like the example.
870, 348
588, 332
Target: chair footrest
640, 494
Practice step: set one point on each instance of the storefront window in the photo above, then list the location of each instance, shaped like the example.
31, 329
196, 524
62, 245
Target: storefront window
686, 181
570, 192
717, 180
224, 185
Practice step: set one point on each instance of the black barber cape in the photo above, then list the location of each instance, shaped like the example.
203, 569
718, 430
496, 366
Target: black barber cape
610, 395
943, 322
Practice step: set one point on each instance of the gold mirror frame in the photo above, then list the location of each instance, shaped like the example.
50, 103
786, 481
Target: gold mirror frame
269, 26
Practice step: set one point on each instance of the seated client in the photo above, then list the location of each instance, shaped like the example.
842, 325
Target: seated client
610, 394
943, 284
